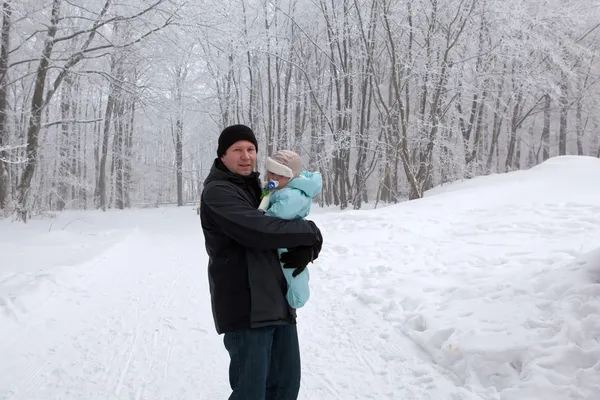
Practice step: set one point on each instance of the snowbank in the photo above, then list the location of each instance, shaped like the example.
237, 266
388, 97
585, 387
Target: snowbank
493, 278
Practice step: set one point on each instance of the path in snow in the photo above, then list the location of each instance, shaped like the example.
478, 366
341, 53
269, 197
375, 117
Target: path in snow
134, 322
130, 324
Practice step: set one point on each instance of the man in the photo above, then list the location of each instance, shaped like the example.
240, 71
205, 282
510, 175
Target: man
247, 285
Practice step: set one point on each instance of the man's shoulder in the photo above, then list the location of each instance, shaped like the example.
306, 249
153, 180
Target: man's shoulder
213, 190
218, 184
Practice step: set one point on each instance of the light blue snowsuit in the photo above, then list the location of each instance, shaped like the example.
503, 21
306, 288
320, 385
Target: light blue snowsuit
292, 202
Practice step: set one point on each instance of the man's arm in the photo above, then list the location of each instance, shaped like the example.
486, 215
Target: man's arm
249, 226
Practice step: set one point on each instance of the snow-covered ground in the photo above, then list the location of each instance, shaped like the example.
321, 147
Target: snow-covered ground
485, 289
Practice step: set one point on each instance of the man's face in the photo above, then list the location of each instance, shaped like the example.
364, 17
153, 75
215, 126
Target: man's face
240, 157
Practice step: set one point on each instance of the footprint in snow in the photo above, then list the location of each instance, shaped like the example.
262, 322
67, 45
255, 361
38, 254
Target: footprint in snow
340, 249
417, 323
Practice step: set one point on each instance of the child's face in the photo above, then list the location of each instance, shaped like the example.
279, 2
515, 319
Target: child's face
283, 180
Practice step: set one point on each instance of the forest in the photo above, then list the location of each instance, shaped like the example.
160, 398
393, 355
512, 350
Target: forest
116, 104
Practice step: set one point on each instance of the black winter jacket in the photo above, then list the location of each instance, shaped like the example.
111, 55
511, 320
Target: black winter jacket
247, 285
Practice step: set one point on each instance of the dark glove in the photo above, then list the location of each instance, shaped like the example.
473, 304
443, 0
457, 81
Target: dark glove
299, 257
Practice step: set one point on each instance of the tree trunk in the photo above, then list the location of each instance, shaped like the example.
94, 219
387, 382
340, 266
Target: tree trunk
270, 96
546, 129
4, 48
127, 173
252, 100
83, 190
512, 144
118, 145
97, 110
101, 189
579, 126
65, 146
366, 97
564, 105
496, 125
179, 159
37, 103
300, 114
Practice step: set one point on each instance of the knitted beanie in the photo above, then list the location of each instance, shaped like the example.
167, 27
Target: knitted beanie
232, 134
285, 163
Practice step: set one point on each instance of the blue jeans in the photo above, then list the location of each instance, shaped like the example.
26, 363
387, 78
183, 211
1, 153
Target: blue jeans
265, 363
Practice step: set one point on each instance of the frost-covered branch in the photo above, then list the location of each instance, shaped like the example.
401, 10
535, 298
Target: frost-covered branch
47, 125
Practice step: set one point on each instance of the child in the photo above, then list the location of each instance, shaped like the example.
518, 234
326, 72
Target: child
290, 196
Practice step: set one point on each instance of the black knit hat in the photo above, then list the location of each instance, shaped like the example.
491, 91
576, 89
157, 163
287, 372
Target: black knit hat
232, 134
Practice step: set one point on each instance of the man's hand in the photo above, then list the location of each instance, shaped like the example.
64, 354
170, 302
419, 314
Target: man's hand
299, 257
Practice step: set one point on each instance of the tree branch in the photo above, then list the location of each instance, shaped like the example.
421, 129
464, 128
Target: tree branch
89, 121
99, 23
26, 40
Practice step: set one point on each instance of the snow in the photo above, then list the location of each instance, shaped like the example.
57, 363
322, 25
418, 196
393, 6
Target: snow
485, 289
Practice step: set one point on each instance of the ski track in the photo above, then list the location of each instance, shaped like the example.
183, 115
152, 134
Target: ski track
124, 334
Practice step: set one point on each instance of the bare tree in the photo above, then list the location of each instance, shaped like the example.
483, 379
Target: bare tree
4, 46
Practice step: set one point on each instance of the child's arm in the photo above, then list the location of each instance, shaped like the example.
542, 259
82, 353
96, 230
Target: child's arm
264, 203
289, 203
